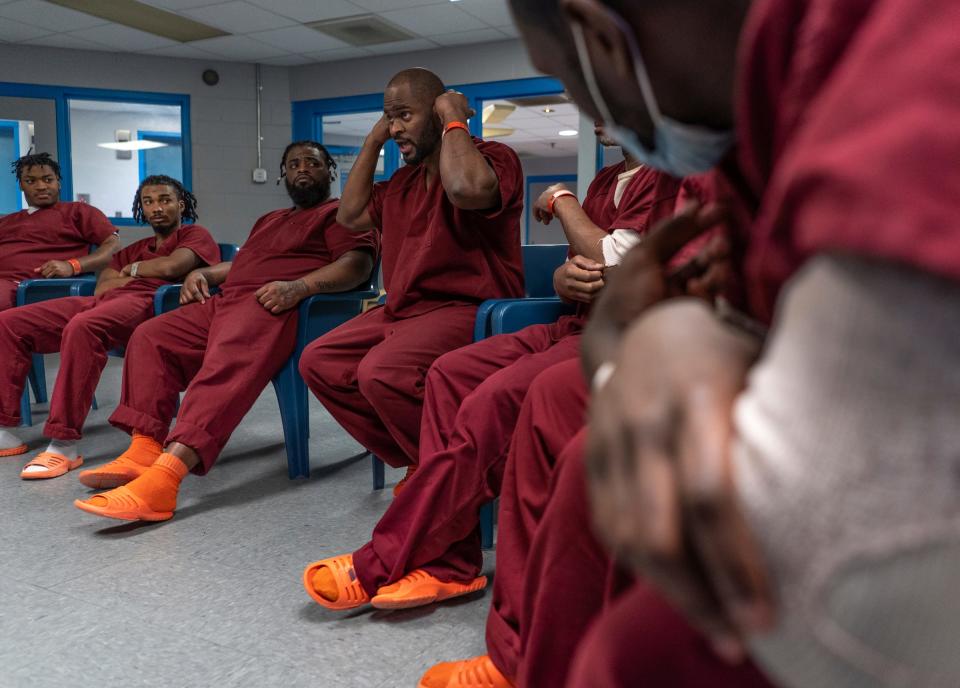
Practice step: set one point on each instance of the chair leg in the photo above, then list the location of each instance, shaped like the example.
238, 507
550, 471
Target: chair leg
292, 396
486, 525
378, 471
38, 379
26, 418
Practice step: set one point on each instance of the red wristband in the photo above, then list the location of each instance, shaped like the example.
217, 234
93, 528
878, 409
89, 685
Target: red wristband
455, 125
559, 194
75, 264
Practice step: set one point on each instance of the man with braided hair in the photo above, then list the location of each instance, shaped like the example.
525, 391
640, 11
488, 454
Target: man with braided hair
49, 238
85, 328
224, 349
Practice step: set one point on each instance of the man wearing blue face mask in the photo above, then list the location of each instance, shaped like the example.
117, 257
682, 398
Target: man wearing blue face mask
806, 515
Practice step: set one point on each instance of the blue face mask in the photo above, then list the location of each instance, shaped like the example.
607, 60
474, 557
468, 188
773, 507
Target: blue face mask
679, 149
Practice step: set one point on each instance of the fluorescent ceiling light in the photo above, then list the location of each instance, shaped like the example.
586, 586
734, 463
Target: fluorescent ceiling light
131, 145
138, 15
567, 132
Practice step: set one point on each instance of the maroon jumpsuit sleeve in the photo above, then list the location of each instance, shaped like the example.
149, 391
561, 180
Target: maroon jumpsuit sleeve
198, 239
340, 240
93, 225
124, 256
375, 206
506, 165
650, 197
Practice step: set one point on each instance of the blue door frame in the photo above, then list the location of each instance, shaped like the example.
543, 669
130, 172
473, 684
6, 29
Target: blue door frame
14, 128
61, 96
308, 114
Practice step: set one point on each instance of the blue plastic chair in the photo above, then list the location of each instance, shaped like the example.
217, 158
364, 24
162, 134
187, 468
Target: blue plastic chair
34, 291
318, 315
502, 316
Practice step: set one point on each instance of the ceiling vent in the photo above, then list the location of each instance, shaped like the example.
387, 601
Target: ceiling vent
138, 15
541, 101
362, 30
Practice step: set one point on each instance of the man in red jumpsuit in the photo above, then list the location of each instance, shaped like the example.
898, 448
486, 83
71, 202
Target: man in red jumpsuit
85, 328
224, 349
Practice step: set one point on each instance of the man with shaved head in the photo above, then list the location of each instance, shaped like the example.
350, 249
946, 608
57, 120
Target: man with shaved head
450, 226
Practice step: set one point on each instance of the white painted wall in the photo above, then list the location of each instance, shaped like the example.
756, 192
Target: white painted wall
223, 121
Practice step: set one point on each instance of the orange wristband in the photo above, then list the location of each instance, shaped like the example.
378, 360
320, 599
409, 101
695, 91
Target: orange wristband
455, 125
559, 194
75, 264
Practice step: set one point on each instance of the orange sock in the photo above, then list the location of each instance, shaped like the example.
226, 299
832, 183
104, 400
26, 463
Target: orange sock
159, 484
143, 450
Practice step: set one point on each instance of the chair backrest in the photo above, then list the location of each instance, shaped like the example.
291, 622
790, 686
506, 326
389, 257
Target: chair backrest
228, 252
539, 262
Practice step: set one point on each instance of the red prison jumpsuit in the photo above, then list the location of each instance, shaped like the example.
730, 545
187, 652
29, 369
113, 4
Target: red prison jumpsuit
83, 329
473, 396
439, 264
840, 165
553, 577
60, 232
225, 351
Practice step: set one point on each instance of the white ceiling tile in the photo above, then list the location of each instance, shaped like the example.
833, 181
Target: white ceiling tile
17, 31
298, 39
492, 12
465, 37
237, 17
65, 40
117, 37
238, 48
511, 30
434, 20
311, 10
184, 50
53, 18
339, 54
384, 5
402, 46
287, 60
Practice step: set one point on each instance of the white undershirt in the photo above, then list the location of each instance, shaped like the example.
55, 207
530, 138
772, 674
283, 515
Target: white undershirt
616, 244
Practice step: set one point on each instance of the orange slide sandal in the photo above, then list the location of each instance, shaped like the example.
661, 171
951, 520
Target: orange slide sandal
54, 465
418, 588
122, 504
349, 592
479, 672
14, 451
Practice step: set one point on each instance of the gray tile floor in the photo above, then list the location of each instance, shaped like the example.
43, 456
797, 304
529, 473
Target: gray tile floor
212, 598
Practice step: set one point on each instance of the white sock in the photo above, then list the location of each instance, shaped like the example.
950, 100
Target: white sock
66, 449
9, 439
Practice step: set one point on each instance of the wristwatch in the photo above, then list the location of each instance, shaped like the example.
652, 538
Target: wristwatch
134, 269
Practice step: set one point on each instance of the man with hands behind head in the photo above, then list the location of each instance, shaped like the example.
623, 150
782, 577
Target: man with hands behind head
449, 222
224, 349
427, 545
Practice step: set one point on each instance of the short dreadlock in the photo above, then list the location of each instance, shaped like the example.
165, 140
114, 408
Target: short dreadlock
189, 200
327, 158
34, 160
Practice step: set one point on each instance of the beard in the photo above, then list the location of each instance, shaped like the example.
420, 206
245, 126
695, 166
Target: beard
310, 195
424, 147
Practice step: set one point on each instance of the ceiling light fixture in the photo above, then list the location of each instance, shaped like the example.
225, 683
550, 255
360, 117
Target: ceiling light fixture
567, 132
547, 110
131, 145
139, 15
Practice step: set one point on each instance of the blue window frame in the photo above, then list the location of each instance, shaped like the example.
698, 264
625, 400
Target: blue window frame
158, 160
61, 96
10, 198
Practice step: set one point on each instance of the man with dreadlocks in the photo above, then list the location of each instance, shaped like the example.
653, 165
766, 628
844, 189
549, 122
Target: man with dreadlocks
224, 349
84, 328
49, 238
